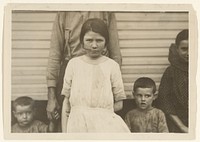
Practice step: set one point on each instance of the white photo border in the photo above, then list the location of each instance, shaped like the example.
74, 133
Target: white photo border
7, 52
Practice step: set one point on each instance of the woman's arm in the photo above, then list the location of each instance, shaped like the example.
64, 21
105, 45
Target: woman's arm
179, 123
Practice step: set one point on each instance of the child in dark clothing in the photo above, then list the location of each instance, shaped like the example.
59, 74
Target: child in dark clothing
145, 118
24, 110
173, 90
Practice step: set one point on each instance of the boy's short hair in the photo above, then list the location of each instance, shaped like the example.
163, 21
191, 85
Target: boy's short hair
183, 35
144, 82
23, 101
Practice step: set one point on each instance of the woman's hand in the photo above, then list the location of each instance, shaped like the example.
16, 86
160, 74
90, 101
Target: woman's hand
179, 123
184, 129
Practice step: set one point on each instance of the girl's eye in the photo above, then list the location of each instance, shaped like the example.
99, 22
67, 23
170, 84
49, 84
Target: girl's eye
89, 40
99, 40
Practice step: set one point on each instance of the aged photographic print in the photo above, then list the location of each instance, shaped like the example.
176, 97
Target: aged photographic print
79, 71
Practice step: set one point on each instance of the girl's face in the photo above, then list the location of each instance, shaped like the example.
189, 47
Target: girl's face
94, 44
183, 50
24, 115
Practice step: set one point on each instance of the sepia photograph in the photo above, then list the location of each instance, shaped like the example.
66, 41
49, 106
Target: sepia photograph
83, 71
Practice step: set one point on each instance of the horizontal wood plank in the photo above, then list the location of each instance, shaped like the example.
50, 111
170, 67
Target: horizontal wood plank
29, 80
28, 62
147, 69
24, 44
148, 16
27, 71
129, 78
142, 52
138, 43
145, 61
22, 26
131, 34
29, 88
33, 16
31, 35
152, 25
27, 53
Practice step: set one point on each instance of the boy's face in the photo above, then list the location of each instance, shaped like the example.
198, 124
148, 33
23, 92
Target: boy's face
144, 98
183, 50
24, 115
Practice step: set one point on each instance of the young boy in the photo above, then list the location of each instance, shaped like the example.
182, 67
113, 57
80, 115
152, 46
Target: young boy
173, 90
24, 111
145, 118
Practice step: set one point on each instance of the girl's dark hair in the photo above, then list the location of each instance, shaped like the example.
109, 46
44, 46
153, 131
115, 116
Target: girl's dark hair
144, 82
23, 101
183, 35
96, 25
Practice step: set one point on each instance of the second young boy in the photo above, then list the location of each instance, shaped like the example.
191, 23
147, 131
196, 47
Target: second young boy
145, 118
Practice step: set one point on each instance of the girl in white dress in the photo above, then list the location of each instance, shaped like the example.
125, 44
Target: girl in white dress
93, 86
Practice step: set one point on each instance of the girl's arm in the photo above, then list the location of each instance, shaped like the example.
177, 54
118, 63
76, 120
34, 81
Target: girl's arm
118, 105
117, 88
67, 83
179, 123
65, 113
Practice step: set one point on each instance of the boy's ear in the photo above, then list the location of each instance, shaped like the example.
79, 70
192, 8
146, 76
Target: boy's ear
133, 93
34, 111
14, 113
156, 95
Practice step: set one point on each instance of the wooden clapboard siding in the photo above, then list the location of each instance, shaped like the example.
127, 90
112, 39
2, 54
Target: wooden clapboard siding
31, 33
150, 25
152, 16
28, 71
145, 38
33, 16
30, 53
144, 41
28, 44
147, 34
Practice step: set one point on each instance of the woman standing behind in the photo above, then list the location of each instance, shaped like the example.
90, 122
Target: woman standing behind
173, 90
93, 86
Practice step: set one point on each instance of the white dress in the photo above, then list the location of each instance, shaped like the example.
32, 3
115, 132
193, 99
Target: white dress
91, 89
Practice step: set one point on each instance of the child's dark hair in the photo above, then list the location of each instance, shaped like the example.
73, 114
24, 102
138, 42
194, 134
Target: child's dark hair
144, 82
183, 35
96, 25
23, 101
